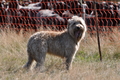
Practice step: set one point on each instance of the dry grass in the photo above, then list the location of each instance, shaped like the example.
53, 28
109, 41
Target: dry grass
86, 65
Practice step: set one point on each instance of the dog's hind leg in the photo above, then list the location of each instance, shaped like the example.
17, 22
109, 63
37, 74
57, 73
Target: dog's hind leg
40, 58
28, 64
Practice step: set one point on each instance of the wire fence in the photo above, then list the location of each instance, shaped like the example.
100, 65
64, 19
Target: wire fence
53, 14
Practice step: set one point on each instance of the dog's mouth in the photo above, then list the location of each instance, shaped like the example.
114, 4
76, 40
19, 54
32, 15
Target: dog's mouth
78, 32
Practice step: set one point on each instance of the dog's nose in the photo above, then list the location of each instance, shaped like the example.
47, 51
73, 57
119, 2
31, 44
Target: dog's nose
79, 25
77, 28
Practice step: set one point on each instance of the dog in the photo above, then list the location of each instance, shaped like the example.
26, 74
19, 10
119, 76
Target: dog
63, 43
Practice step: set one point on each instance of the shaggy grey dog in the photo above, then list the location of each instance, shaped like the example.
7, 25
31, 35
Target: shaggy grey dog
63, 44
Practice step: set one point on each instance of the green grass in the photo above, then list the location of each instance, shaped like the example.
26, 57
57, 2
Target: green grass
86, 65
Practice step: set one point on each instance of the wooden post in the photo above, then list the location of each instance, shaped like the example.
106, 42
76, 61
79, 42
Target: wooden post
98, 38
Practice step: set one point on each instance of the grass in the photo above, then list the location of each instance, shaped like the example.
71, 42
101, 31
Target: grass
86, 65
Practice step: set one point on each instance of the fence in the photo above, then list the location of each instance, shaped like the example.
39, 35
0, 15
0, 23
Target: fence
53, 14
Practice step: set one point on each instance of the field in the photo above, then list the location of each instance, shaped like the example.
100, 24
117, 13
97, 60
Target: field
86, 65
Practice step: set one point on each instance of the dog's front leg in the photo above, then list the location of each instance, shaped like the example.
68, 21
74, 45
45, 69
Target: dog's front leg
69, 62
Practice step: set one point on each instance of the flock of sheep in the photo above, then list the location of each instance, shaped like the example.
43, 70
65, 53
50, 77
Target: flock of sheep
55, 13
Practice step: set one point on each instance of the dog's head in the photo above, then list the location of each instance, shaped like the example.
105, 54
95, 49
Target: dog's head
76, 27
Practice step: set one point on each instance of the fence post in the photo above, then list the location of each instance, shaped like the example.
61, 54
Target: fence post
98, 38
83, 10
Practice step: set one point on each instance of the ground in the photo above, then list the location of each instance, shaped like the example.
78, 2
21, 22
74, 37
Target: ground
86, 65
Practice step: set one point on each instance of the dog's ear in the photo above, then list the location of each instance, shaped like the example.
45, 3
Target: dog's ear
68, 23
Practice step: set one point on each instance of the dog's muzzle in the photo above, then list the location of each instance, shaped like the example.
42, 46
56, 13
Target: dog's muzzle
78, 32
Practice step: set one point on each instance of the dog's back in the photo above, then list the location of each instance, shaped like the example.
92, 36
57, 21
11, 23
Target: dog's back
54, 42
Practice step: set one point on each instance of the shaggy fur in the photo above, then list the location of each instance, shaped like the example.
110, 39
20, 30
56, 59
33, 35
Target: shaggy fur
63, 44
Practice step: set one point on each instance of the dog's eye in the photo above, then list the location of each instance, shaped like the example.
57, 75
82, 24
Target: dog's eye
74, 23
78, 23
